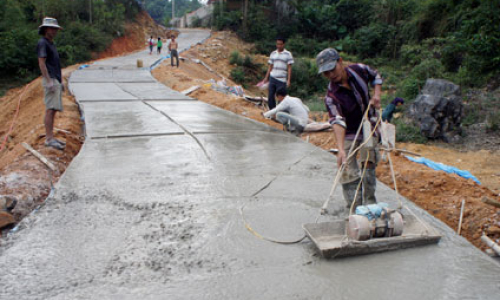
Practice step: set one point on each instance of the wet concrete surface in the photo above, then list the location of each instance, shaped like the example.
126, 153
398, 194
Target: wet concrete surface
157, 217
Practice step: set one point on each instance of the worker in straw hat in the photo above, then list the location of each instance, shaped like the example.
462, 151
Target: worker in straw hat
50, 66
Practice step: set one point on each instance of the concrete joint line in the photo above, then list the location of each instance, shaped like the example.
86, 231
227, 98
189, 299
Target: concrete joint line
111, 101
136, 135
227, 131
182, 127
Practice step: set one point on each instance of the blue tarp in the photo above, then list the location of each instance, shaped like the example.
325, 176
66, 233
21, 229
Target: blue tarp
442, 167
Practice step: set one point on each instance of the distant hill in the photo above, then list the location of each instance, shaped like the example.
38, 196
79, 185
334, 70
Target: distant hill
161, 10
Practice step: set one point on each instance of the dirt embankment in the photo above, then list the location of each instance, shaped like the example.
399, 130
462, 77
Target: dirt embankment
136, 35
21, 174
439, 193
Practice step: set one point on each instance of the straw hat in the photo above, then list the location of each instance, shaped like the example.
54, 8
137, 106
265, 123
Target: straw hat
48, 22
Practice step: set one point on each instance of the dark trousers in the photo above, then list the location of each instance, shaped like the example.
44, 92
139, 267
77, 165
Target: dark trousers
173, 54
274, 85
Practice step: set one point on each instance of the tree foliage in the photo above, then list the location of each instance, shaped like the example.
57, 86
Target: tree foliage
457, 39
161, 10
89, 26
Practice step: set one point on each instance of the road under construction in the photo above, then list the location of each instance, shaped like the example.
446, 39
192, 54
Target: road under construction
150, 209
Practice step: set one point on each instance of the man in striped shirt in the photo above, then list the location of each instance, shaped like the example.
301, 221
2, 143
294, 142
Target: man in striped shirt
279, 73
347, 100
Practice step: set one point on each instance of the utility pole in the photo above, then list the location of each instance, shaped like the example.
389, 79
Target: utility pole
173, 9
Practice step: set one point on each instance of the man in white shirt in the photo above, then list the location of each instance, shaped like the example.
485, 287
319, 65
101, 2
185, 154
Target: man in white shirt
290, 112
279, 73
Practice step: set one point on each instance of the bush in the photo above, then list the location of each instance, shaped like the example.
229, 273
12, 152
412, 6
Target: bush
409, 88
248, 62
406, 132
306, 82
238, 75
369, 41
493, 121
299, 45
17, 52
235, 58
428, 68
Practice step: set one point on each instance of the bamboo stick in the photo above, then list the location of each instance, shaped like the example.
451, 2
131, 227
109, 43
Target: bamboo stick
40, 157
491, 202
459, 230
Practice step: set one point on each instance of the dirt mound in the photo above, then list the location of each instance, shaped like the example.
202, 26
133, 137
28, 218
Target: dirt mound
439, 193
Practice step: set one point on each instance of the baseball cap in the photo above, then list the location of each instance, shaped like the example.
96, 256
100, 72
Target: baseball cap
327, 60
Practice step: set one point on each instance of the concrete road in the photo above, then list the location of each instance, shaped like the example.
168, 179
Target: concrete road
149, 209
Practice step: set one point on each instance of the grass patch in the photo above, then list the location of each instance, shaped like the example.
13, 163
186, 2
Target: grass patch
316, 104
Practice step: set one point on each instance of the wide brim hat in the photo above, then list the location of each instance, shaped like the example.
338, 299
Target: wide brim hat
48, 22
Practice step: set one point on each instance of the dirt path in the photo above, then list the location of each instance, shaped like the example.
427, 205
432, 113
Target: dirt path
439, 193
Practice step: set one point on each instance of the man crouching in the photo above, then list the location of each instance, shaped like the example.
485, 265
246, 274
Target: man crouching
290, 112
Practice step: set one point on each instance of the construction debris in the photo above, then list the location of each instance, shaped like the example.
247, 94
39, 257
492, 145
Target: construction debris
190, 90
491, 202
494, 246
40, 157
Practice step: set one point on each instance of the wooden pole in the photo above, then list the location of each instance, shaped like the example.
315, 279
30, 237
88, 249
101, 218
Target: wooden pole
491, 202
173, 9
461, 217
40, 157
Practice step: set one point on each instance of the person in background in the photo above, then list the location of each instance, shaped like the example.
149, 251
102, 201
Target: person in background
279, 73
159, 44
50, 66
172, 46
290, 112
151, 44
391, 108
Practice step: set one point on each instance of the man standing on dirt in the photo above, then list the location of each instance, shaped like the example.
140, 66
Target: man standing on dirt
290, 112
172, 46
50, 66
279, 73
347, 100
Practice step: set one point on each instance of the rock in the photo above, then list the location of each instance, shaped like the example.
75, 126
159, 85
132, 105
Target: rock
494, 230
7, 203
6, 219
438, 110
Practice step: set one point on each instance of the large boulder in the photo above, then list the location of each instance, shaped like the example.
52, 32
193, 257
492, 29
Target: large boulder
438, 110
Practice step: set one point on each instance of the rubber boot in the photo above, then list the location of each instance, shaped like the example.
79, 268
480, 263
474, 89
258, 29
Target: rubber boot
369, 186
349, 191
